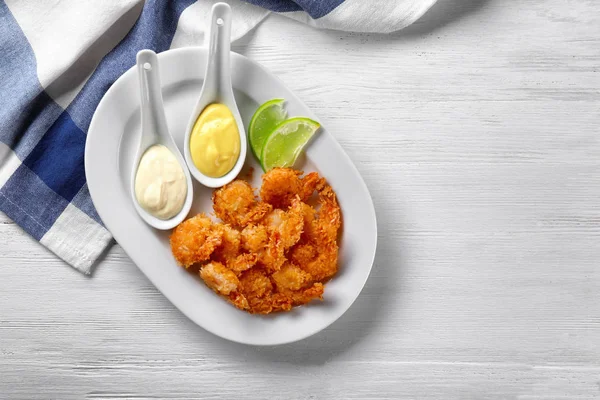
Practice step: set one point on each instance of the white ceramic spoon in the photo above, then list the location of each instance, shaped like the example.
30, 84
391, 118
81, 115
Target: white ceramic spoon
217, 89
156, 131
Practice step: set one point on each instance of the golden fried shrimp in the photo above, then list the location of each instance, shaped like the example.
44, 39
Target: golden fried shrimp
257, 291
242, 262
287, 225
290, 277
300, 297
318, 260
321, 226
256, 288
194, 240
309, 215
254, 238
281, 185
257, 294
273, 257
311, 182
268, 248
255, 283
303, 253
230, 243
219, 278
238, 300
229, 252
317, 253
284, 301
329, 217
266, 256
236, 204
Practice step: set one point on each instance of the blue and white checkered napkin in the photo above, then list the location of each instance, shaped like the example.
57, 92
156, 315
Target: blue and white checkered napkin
58, 58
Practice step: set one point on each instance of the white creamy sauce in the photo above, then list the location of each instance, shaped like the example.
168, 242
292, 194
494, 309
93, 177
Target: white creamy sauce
160, 185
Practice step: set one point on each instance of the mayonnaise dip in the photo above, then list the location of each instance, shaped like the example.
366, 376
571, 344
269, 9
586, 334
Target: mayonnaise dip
160, 185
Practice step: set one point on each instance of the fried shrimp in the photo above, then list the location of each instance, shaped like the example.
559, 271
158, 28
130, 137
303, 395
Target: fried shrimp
317, 253
304, 296
281, 185
230, 244
228, 253
262, 297
290, 277
329, 217
268, 254
242, 262
219, 278
320, 261
254, 238
257, 289
275, 234
271, 237
268, 248
236, 204
286, 225
193, 241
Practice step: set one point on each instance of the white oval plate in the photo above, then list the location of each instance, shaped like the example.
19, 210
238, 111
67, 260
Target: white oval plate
109, 152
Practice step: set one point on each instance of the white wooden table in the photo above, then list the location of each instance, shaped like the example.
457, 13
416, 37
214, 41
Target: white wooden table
477, 131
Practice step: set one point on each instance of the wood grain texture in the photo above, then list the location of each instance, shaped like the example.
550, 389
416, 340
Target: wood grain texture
477, 132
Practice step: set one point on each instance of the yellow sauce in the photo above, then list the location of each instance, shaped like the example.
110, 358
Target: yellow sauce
215, 141
160, 185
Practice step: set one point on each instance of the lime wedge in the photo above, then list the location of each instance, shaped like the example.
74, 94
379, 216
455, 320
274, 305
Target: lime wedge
282, 147
263, 122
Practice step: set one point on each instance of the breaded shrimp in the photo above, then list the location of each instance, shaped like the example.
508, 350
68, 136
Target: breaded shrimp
193, 241
254, 238
219, 278
290, 277
255, 283
281, 185
320, 261
242, 262
257, 289
317, 252
265, 256
286, 225
268, 248
274, 235
329, 217
229, 252
230, 244
236, 204
284, 301
238, 300
304, 296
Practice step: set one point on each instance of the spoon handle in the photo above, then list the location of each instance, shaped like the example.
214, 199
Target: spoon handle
218, 69
154, 121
